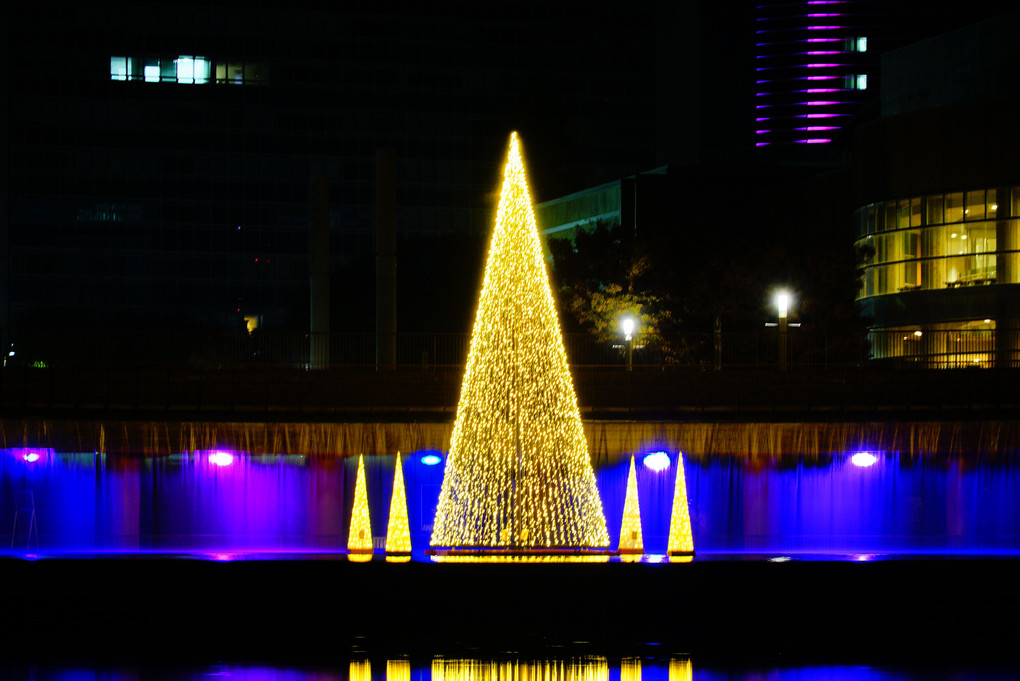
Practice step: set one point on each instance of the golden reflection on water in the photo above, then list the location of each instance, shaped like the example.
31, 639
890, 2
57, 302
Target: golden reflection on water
680, 669
581, 669
521, 559
360, 670
399, 670
630, 669
355, 557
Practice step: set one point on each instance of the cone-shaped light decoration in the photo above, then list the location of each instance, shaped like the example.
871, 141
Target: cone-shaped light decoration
359, 536
631, 540
398, 533
681, 540
518, 476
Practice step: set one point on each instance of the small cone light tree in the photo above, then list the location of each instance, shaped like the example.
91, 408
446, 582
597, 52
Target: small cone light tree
631, 541
359, 536
398, 532
681, 539
518, 477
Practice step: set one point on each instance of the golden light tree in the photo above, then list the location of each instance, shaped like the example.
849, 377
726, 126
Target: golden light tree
359, 536
518, 476
681, 539
631, 540
398, 532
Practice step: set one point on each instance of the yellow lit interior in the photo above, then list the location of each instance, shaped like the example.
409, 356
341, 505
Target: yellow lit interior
681, 540
583, 669
359, 537
398, 533
518, 474
631, 540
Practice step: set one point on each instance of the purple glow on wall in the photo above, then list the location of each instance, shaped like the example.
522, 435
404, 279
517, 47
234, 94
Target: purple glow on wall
820, 78
816, 90
823, 40
824, 14
821, 115
824, 28
761, 144
822, 102
219, 457
816, 128
816, 140
824, 66
817, 52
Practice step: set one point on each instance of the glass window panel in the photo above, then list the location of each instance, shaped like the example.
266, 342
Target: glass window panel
902, 214
954, 207
871, 218
992, 203
915, 212
974, 209
118, 68
890, 215
935, 216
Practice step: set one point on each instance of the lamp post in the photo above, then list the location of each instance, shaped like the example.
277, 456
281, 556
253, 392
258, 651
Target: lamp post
783, 306
628, 330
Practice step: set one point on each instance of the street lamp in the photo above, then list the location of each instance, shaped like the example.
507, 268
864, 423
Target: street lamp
783, 306
628, 325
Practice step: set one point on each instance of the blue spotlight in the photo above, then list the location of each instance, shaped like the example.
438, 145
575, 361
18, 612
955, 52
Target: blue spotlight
657, 461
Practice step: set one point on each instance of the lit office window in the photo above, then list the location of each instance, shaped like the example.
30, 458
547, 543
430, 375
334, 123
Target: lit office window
152, 73
120, 67
192, 70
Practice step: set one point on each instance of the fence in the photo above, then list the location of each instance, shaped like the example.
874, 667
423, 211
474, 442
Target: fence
806, 349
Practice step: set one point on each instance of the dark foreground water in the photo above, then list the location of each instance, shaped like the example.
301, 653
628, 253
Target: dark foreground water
233, 505
507, 668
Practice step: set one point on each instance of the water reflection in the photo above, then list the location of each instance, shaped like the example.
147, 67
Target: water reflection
585, 669
592, 668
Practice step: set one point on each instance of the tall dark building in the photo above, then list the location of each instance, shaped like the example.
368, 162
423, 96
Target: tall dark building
160, 159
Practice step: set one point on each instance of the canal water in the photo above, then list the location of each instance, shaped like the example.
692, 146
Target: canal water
218, 504
588, 668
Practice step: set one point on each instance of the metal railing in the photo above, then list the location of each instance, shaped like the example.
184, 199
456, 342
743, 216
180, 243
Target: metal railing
806, 349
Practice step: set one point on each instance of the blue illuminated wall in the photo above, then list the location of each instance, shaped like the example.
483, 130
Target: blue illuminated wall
272, 503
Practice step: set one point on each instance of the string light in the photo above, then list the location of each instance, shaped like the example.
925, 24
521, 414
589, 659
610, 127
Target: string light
359, 536
398, 533
518, 474
681, 540
631, 541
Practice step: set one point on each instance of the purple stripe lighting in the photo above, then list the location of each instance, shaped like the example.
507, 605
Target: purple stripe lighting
824, 66
823, 115
824, 28
814, 53
817, 90
761, 144
824, 40
824, 14
819, 128
820, 77
815, 140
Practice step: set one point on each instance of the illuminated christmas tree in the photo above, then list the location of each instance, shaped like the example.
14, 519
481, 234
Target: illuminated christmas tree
518, 476
398, 534
631, 540
359, 536
681, 540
